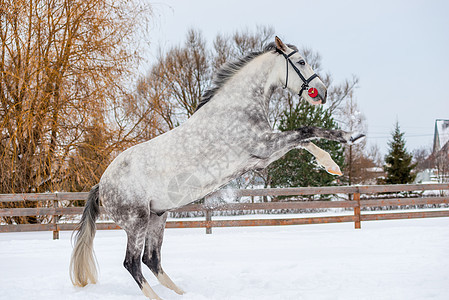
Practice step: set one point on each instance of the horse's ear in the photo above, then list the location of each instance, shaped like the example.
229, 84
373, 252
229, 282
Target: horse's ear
279, 44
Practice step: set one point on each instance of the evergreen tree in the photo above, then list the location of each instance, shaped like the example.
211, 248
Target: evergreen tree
297, 167
398, 162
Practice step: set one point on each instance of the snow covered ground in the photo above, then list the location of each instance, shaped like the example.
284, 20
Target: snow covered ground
403, 259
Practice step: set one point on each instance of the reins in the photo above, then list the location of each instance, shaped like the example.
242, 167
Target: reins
305, 85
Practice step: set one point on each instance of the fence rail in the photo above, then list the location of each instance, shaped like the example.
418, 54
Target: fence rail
357, 204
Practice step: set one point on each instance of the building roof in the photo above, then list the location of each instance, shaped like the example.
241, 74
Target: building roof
441, 136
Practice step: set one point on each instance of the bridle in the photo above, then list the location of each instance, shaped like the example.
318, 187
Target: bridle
305, 85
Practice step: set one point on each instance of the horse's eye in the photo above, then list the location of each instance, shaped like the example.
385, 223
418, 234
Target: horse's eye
302, 62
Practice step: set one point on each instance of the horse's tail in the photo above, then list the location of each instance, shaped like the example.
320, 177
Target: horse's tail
83, 269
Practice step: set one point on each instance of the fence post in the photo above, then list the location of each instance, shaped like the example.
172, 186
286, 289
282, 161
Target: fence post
55, 219
358, 218
208, 214
208, 223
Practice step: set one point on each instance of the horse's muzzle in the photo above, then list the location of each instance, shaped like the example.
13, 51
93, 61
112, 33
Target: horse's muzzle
320, 99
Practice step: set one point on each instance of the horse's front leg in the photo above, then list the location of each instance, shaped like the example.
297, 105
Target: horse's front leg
278, 141
323, 158
311, 133
274, 145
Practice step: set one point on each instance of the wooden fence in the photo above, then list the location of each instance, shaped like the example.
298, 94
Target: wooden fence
356, 204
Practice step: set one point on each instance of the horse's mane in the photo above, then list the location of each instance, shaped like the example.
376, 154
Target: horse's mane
230, 69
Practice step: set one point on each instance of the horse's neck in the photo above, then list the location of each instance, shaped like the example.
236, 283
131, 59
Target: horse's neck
250, 86
243, 99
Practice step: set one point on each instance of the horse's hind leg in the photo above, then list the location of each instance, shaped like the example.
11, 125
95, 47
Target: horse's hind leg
136, 240
152, 253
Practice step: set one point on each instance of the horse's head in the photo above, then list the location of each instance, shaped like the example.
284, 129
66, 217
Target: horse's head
299, 77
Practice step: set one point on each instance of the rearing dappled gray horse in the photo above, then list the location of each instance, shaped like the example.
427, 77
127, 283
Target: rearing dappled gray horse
228, 135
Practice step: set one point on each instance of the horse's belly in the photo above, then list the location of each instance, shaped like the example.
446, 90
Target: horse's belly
185, 185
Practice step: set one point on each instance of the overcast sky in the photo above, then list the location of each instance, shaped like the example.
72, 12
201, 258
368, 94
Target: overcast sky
398, 49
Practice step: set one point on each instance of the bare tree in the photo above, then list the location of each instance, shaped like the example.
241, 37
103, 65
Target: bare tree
354, 120
64, 67
174, 85
373, 153
420, 158
339, 94
442, 165
439, 162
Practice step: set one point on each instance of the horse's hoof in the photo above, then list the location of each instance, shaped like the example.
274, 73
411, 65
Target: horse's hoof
179, 291
334, 171
356, 138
